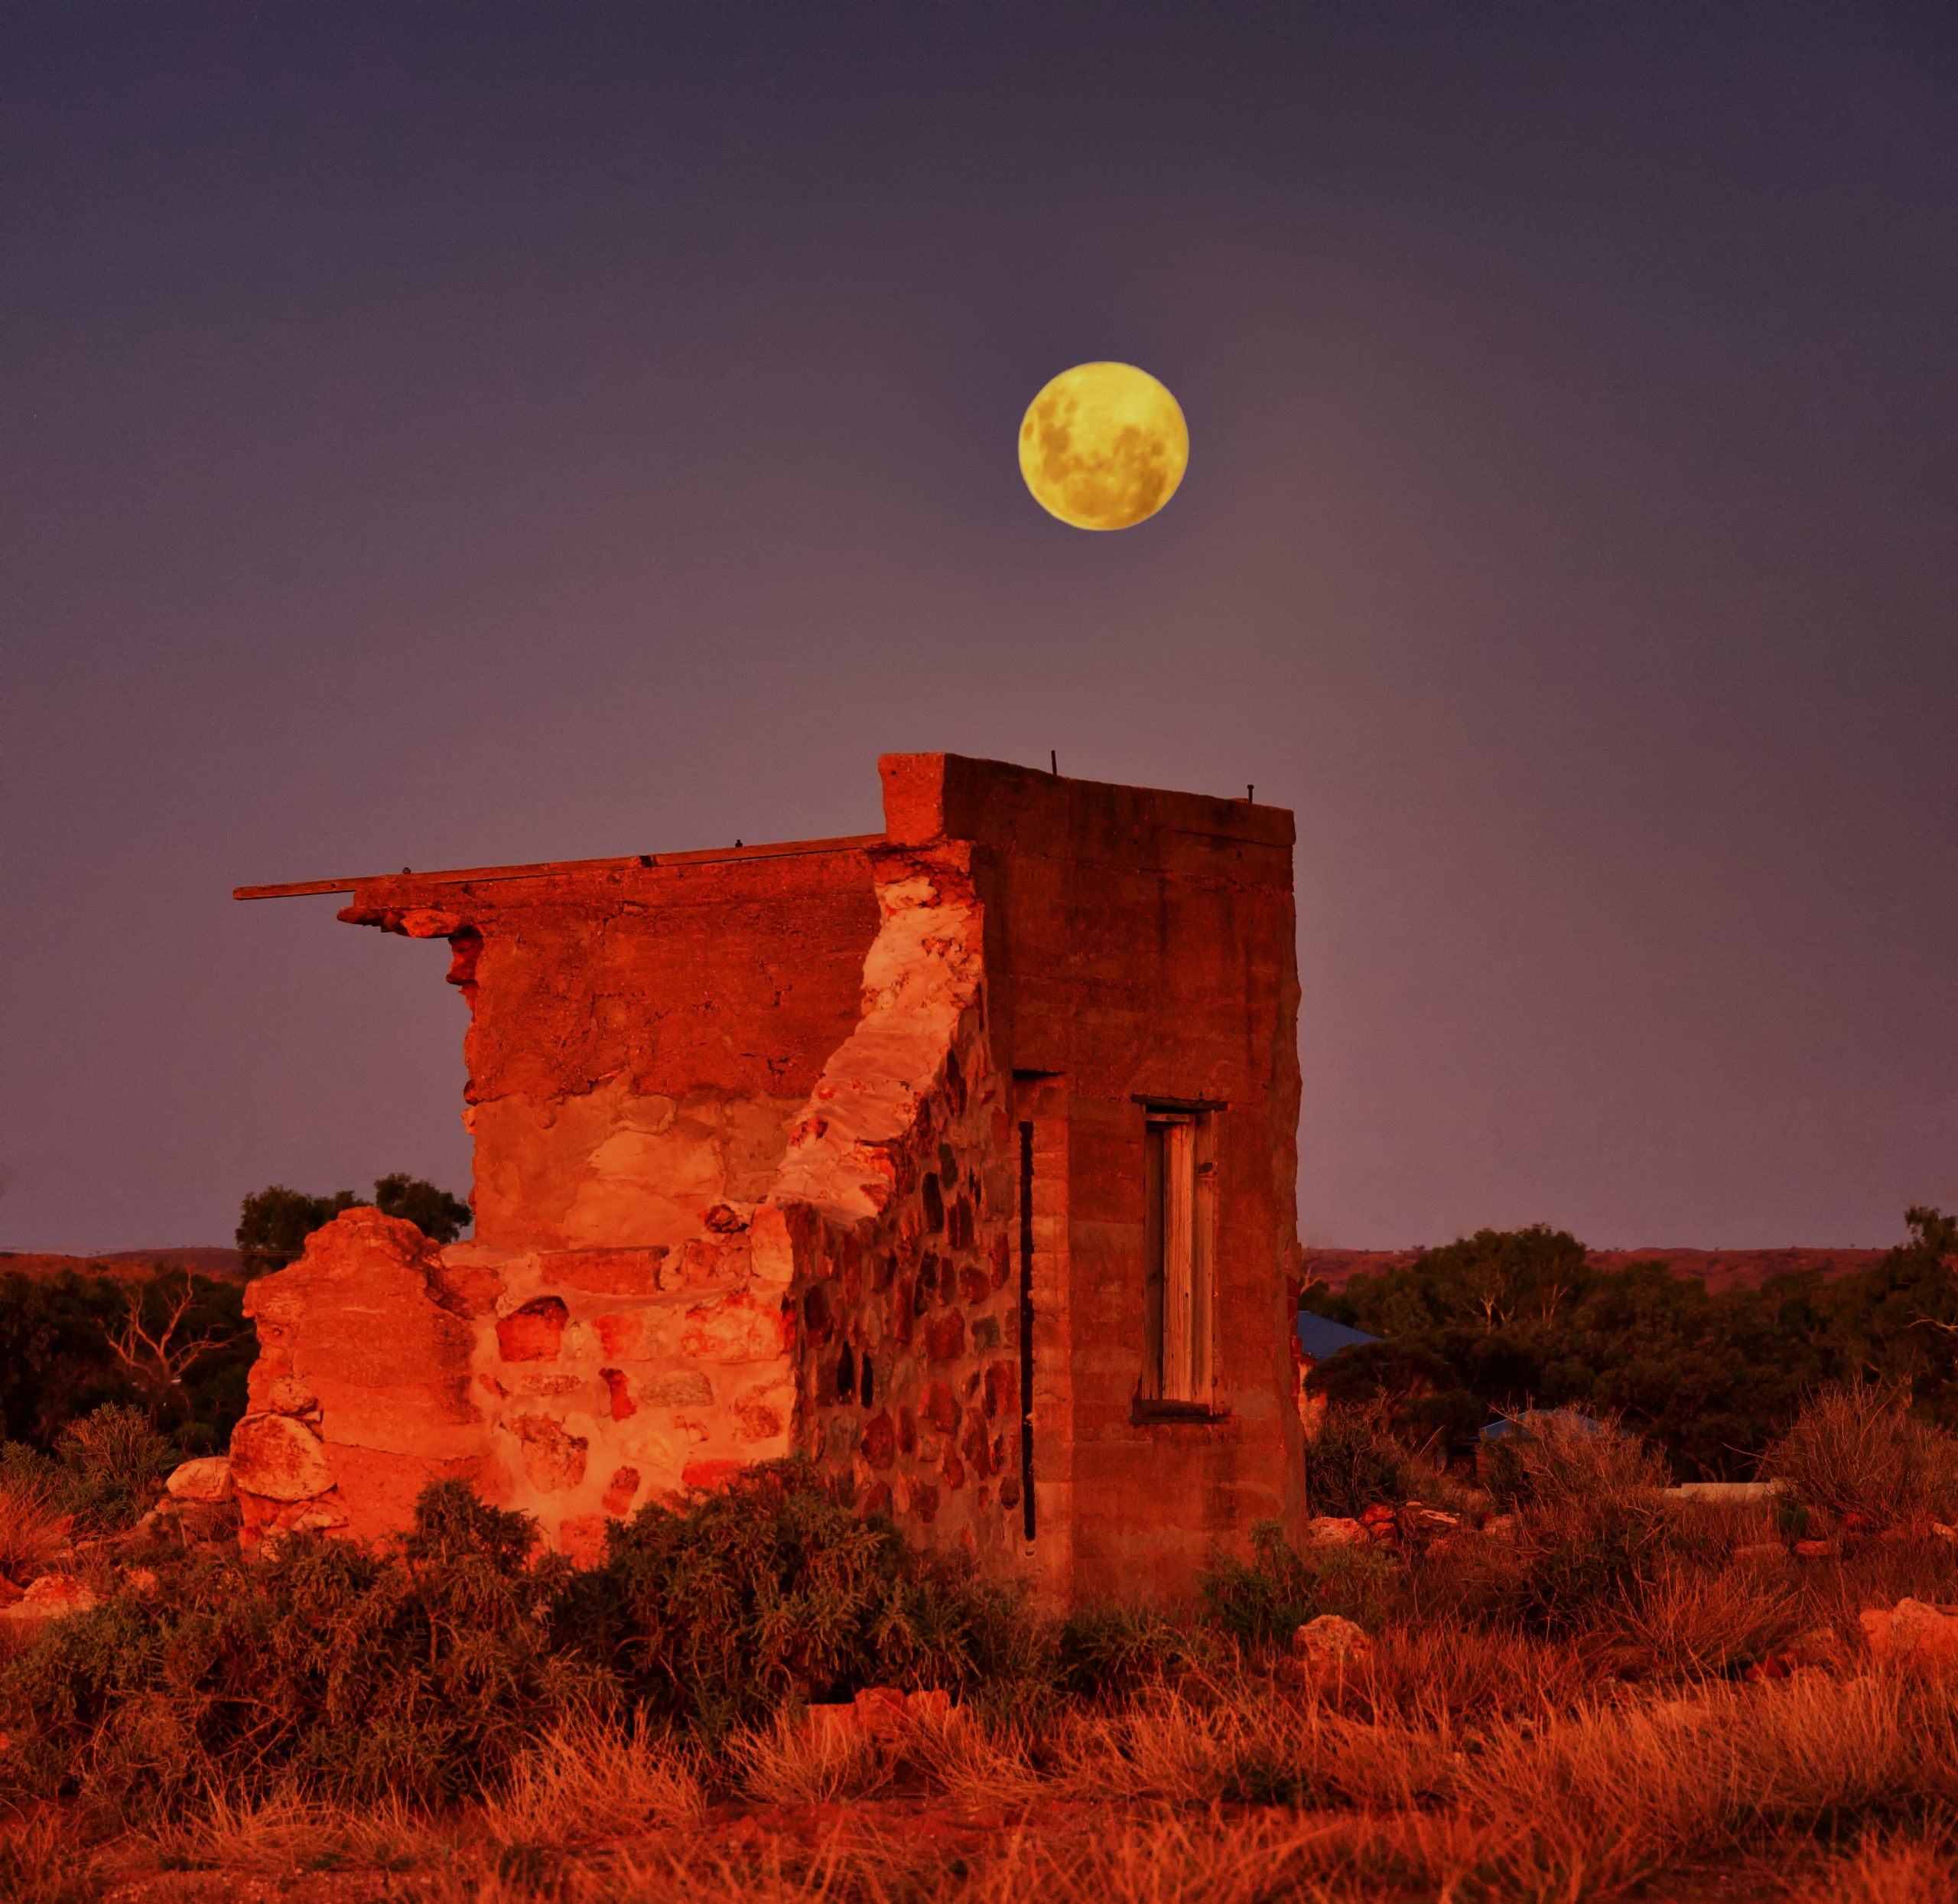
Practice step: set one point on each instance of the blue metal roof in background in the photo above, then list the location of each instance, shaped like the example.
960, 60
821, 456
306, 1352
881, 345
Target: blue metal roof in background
1503, 1429
1320, 1335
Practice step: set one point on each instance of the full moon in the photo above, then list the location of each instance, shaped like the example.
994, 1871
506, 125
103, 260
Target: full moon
1104, 446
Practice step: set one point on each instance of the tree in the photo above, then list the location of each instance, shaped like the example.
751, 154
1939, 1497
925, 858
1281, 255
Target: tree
157, 1345
1895, 1323
1506, 1320
437, 1215
69, 1344
273, 1223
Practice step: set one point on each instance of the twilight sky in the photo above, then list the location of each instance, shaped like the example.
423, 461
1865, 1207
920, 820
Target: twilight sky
439, 434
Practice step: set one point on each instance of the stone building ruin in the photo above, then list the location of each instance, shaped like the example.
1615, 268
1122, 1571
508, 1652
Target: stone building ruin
959, 1157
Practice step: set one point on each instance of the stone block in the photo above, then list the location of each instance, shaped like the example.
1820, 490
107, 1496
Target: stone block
945, 1337
677, 1388
878, 1443
607, 1272
278, 1458
739, 1328
554, 1459
288, 1394
619, 1337
207, 1478
533, 1332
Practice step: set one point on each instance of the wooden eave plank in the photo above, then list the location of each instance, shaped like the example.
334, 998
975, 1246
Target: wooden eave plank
545, 869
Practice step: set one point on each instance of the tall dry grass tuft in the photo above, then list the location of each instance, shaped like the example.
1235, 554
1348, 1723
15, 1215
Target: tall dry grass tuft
1859, 1449
1152, 1855
1293, 1750
1442, 1673
1688, 1621
1906, 1868
790, 1761
1556, 1458
34, 1529
43, 1858
589, 1779
979, 1765
290, 1829
1610, 1799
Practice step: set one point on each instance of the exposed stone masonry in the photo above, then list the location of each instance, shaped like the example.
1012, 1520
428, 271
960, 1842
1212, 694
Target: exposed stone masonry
858, 1312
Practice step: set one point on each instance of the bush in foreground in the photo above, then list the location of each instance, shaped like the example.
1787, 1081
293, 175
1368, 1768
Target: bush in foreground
1354, 1460
771, 1589
346, 1671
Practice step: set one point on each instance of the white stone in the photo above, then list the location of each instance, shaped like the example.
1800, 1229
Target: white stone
206, 1478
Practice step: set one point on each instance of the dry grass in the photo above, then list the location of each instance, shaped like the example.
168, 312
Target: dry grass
1614, 1750
589, 1780
1907, 1868
1690, 1622
43, 1858
33, 1528
789, 1761
287, 1831
1219, 1792
1859, 1449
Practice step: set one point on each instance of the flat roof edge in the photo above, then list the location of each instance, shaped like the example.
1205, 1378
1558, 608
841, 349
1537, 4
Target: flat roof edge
544, 869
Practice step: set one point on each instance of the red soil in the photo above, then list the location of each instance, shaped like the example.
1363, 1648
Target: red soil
126, 1265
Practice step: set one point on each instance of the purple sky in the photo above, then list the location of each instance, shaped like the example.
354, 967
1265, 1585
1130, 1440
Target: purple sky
433, 435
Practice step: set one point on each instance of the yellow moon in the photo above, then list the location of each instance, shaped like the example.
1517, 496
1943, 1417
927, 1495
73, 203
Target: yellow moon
1104, 446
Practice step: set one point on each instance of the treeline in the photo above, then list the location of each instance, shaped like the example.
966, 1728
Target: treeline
173, 1344
1507, 1319
273, 1223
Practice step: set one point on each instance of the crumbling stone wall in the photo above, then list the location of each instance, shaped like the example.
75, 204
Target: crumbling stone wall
855, 1310
898, 1195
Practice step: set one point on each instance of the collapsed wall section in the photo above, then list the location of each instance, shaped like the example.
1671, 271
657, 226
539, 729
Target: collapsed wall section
896, 1196
856, 1310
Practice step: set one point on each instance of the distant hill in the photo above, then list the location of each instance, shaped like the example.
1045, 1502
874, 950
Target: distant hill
127, 1265
1719, 1269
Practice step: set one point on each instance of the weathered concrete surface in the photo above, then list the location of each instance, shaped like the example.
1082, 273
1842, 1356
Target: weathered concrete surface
1142, 947
750, 1133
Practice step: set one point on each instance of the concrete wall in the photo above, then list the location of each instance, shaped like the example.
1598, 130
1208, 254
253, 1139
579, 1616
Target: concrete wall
1143, 946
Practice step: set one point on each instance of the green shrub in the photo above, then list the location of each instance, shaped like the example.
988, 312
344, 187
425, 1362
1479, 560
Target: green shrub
771, 1588
1354, 1461
1859, 1449
351, 1672
113, 1464
1590, 1526
1264, 1600
1111, 1650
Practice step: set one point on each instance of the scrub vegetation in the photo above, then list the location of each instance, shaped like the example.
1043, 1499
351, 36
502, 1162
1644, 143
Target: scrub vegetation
1604, 1695
1558, 1683
1509, 1320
